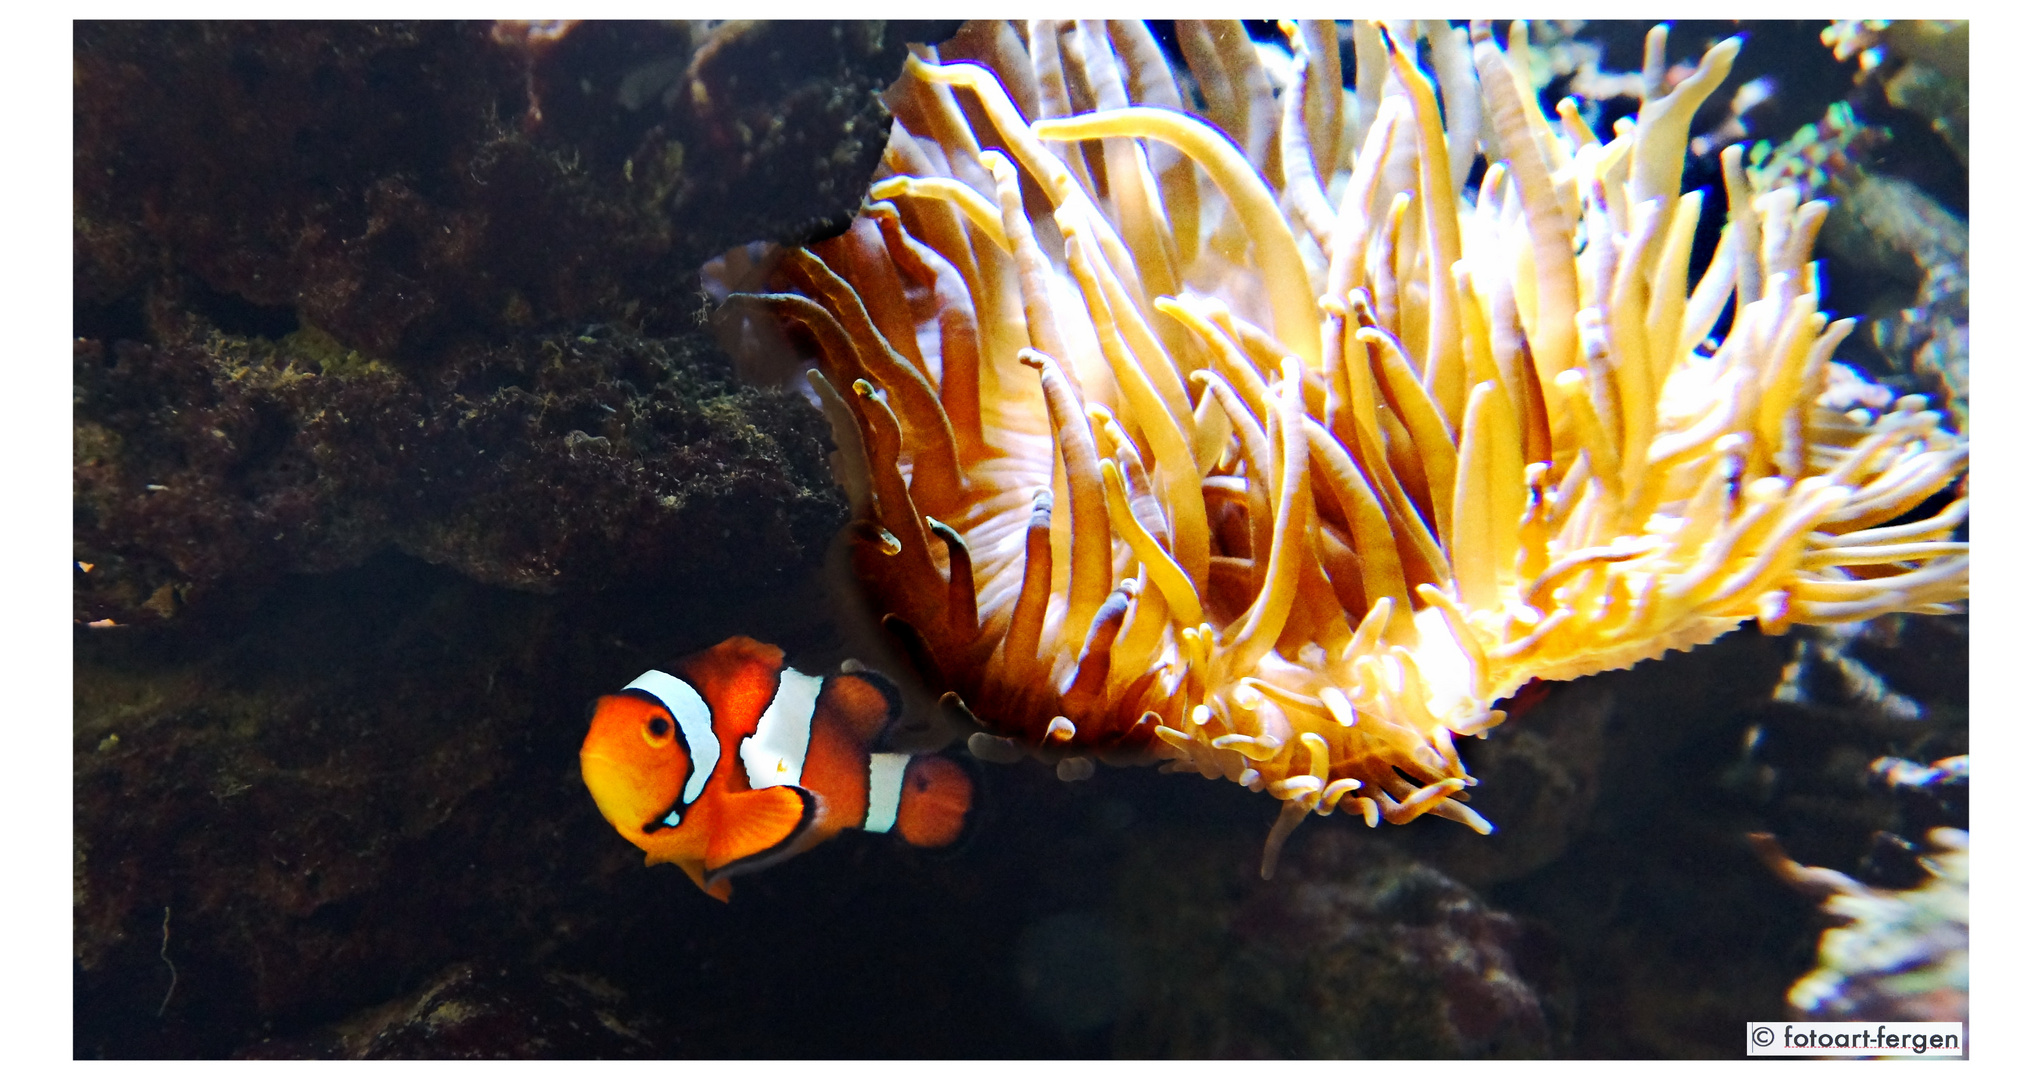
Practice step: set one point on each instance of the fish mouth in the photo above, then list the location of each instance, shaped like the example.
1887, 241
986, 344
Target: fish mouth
623, 802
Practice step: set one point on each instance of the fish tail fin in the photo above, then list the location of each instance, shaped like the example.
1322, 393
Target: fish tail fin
934, 799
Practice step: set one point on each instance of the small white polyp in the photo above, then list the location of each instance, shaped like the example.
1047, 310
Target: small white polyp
691, 715
882, 803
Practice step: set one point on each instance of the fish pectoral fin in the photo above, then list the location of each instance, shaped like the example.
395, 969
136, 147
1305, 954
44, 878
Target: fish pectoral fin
758, 828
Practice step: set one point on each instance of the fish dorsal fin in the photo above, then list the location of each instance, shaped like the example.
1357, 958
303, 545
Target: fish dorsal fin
862, 704
739, 679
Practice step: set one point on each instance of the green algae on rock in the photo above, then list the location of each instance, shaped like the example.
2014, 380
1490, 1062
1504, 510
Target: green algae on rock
432, 285
583, 459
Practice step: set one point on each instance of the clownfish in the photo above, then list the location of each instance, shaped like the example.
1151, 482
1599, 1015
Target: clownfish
734, 761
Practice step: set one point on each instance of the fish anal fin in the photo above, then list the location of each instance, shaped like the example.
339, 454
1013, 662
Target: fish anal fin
693, 868
759, 828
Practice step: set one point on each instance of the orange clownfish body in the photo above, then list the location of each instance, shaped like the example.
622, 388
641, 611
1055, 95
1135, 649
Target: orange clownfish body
735, 762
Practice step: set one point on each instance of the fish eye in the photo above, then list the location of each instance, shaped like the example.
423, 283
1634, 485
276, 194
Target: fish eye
657, 726
657, 731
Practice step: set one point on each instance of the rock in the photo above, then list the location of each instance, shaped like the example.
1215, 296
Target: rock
467, 1011
1353, 951
353, 285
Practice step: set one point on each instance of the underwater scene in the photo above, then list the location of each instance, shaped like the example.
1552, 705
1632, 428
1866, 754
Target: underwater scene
1033, 539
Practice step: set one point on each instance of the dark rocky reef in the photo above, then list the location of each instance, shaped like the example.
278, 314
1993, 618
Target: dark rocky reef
1354, 951
335, 287
1617, 911
354, 298
576, 459
393, 184
466, 1013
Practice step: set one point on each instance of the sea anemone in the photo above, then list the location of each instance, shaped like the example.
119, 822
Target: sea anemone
1246, 441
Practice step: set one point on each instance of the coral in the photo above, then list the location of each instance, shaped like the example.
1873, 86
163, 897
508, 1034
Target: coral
352, 296
346, 286
205, 469
264, 788
466, 1013
1891, 231
1674, 935
1898, 954
395, 182
1293, 494
1852, 702
1919, 65
1356, 951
